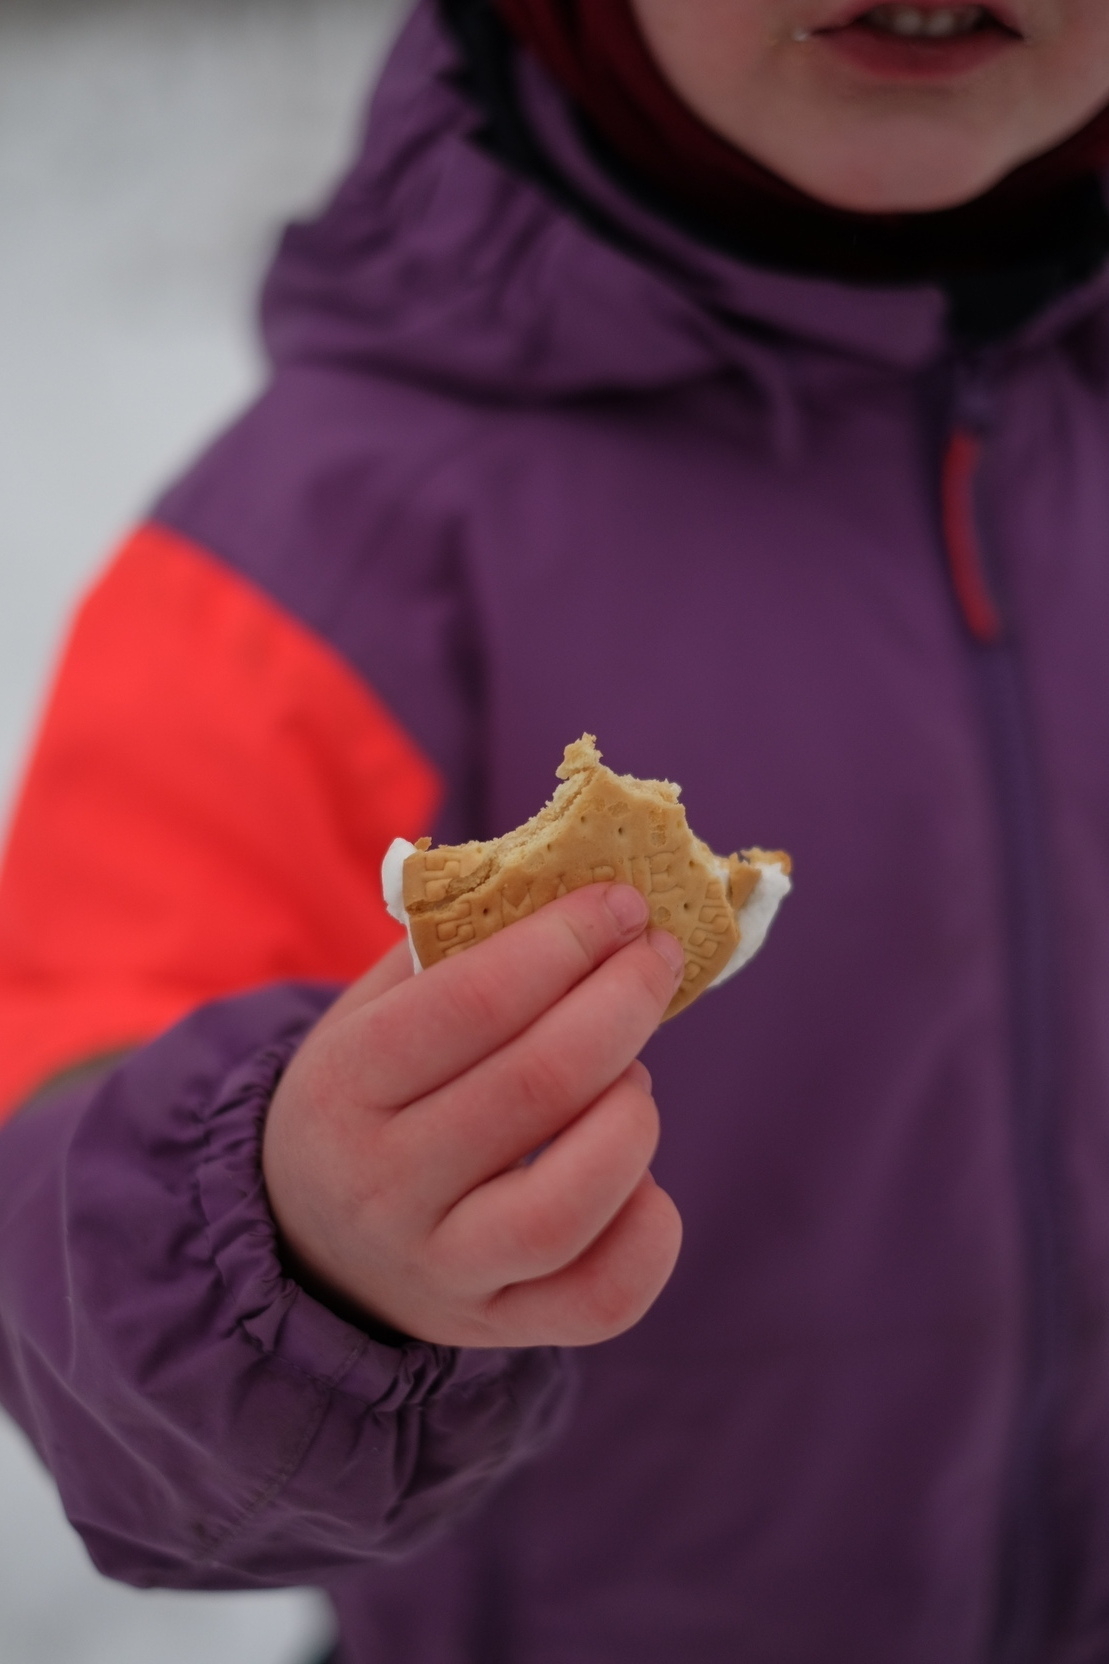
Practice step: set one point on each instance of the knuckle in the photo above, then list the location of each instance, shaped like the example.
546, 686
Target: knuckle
653, 975
608, 1307
589, 924
644, 1124
631, 1126
382, 1180
441, 1266
538, 1081
476, 996
543, 1237
581, 935
639, 1075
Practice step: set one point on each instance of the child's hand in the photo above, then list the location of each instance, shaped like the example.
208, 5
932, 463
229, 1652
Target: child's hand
394, 1144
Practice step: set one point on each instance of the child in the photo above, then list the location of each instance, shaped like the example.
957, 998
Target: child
728, 378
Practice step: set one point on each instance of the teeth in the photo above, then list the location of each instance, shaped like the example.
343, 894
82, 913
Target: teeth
914, 23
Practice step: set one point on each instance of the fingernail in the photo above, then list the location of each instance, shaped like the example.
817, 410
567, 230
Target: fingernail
669, 948
628, 908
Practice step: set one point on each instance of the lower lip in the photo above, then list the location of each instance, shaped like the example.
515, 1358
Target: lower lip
894, 58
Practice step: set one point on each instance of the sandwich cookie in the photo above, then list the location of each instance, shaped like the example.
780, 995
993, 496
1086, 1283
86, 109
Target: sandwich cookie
599, 827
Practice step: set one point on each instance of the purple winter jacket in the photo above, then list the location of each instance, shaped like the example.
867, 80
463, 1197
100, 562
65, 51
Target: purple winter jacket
529, 478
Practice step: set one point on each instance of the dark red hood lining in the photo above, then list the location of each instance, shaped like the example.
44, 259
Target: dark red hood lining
595, 50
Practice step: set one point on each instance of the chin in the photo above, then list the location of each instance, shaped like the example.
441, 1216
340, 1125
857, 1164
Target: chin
880, 183
893, 199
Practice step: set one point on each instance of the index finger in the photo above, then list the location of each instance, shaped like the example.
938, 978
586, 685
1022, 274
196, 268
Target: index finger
391, 969
432, 1028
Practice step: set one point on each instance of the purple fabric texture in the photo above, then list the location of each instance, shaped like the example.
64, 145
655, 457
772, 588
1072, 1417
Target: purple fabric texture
209, 1425
530, 482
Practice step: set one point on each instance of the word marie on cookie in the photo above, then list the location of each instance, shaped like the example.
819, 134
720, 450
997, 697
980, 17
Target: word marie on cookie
598, 827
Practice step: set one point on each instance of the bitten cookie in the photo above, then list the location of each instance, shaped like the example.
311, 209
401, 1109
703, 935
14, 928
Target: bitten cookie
598, 826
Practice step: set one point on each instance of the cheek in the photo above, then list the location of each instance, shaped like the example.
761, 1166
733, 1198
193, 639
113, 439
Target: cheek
1074, 79
709, 50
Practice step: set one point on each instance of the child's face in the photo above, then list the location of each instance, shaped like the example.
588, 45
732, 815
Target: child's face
892, 107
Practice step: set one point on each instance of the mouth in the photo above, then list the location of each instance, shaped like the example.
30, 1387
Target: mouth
930, 23
926, 41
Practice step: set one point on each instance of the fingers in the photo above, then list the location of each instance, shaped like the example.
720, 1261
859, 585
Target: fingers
434, 1027
534, 1220
528, 1092
393, 1137
606, 1291
639, 1072
396, 967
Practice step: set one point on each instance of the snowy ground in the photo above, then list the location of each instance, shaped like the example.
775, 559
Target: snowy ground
148, 151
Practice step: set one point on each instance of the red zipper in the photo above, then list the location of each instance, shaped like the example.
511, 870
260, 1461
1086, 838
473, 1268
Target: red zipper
965, 560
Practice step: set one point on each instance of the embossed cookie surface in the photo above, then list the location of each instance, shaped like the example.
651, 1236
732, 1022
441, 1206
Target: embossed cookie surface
598, 826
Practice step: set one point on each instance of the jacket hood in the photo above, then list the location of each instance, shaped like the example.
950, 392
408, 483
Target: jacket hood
435, 262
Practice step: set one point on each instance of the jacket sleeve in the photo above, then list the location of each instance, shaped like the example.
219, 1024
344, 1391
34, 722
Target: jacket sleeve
208, 1424
215, 783
206, 810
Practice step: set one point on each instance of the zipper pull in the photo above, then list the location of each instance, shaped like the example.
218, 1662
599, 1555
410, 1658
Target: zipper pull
965, 561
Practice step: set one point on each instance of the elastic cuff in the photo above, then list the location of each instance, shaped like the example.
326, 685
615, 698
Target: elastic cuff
280, 1318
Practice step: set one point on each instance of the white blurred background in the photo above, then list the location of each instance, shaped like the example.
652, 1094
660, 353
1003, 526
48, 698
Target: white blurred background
149, 150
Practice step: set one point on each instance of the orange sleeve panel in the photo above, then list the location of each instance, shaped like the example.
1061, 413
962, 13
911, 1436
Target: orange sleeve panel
206, 810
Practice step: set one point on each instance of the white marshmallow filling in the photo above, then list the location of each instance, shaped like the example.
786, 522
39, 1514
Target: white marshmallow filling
756, 916
392, 886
